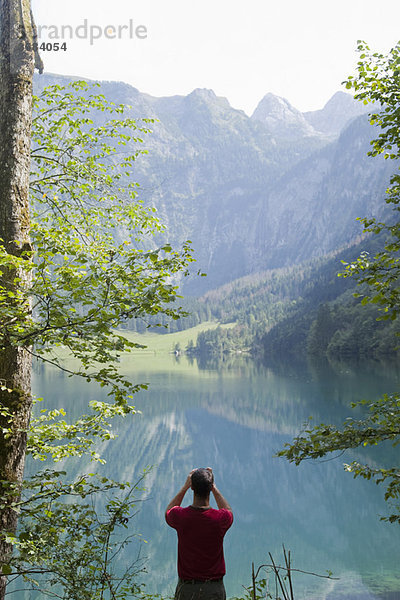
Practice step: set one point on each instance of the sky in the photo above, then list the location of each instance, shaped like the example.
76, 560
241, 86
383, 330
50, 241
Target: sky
301, 50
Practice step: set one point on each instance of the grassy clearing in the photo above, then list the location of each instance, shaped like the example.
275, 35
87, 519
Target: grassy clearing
164, 343
158, 356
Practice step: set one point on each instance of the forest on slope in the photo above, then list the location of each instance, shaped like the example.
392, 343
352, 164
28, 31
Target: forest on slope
306, 309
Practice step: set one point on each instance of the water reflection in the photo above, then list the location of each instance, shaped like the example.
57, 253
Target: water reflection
234, 417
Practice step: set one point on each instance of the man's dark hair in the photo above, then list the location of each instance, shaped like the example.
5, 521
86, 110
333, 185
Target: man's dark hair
202, 482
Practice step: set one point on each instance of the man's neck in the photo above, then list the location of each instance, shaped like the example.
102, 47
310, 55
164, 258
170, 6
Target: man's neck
199, 502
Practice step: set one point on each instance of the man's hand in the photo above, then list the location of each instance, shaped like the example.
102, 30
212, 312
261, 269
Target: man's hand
188, 482
210, 469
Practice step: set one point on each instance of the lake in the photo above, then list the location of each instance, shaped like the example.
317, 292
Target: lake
234, 417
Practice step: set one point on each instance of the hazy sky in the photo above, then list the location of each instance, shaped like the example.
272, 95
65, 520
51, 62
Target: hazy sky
301, 50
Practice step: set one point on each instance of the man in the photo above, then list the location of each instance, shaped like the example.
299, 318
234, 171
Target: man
201, 530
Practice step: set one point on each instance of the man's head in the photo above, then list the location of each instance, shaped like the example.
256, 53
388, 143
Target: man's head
202, 482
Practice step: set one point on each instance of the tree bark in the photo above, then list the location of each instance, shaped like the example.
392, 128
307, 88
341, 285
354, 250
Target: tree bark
17, 62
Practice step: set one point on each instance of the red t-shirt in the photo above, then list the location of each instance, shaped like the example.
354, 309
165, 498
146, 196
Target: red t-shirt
200, 540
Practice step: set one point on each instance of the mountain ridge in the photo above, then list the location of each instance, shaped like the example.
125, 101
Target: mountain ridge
341, 103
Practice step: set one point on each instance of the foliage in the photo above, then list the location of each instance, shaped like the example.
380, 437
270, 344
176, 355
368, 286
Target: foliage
382, 423
219, 341
194, 312
51, 435
378, 80
94, 266
70, 535
349, 330
281, 587
321, 331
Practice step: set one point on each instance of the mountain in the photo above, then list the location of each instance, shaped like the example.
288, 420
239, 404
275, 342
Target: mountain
281, 119
313, 209
252, 193
336, 113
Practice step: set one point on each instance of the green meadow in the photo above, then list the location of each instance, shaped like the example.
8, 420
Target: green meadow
159, 355
165, 342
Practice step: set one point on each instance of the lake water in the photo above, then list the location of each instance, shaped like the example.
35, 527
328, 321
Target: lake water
234, 418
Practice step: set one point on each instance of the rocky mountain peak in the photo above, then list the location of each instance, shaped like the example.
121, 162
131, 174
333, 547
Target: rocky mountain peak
281, 118
203, 93
206, 97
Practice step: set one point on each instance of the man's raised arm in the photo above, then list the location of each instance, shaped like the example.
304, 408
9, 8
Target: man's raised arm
219, 499
177, 500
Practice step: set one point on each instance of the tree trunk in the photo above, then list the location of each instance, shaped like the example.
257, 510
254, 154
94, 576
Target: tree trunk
17, 58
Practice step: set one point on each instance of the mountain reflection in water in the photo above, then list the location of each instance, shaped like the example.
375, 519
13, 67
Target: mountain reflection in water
235, 416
